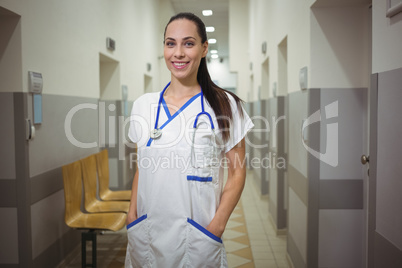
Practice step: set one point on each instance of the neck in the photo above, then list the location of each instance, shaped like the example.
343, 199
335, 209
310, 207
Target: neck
180, 88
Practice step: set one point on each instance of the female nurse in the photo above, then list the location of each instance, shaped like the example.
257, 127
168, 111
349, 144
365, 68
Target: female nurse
180, 206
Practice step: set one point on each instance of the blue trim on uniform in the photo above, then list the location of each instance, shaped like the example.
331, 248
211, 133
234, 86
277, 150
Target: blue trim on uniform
140, 219
210, 120
164, 104
159, 105
176, 114
205, 231
197, 178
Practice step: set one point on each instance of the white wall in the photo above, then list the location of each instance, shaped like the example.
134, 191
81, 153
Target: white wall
221, 74
63, 39
165, 12
271, 22
387, 39
238, 45
339, 47
333, 42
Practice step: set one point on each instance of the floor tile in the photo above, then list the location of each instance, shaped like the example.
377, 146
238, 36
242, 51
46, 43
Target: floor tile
231, 246
242, 239
245, 253
235, 261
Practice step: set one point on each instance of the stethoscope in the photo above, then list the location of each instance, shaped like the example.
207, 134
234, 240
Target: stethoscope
156, 133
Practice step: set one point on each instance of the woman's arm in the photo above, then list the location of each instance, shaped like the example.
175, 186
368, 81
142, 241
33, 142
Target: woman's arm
232, 190
132, 211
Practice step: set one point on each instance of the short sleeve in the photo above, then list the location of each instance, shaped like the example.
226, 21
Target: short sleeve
133, 133
139, 121
239, 126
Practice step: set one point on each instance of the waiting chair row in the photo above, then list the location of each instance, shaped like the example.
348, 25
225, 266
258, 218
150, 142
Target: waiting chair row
90, 167
102, 214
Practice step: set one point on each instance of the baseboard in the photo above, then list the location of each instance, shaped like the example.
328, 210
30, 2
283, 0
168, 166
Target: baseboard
256, 183
289, 260
283, 231
70, 257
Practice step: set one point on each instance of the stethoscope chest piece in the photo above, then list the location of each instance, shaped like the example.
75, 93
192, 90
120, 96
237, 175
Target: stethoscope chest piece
156, 133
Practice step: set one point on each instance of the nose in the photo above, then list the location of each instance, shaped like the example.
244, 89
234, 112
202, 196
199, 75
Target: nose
179, 52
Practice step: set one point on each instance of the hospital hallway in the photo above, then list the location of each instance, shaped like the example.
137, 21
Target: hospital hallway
250, 239
81, 98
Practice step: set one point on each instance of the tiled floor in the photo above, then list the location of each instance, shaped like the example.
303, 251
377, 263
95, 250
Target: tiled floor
249, 239
268, 249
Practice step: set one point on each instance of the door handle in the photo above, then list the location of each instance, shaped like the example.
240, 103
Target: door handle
365, 159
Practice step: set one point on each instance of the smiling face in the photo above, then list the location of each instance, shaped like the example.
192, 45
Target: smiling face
183, 50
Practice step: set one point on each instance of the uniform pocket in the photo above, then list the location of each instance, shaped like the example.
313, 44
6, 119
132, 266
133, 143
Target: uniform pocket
200, 174
139, 243
137, 221
203, 248
204, 231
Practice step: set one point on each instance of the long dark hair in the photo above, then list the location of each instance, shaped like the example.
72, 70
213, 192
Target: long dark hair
216, 96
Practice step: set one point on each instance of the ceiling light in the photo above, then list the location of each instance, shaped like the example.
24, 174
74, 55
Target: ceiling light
207, 13
214, 51
210, 29
215, 56
212, 41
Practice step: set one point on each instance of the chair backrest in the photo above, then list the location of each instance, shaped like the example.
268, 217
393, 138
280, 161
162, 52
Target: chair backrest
102, 161
72, 179
89, 179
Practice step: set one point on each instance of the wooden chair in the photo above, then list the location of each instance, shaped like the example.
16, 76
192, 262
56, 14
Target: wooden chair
92, 204
75, 218
102, 160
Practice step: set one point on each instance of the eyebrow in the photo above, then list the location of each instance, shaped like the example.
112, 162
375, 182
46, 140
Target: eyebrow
185, 38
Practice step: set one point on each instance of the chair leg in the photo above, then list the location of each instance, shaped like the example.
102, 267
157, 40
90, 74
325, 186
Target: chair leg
88, 236
94, 249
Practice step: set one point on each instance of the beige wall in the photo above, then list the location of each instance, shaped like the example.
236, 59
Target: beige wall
271, 22
238, 45
332, 40
63, 40
165, 12
339, 47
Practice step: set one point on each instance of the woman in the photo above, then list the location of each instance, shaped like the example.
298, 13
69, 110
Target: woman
179, 207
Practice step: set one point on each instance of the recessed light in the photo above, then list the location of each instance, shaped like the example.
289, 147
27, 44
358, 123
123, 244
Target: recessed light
212, 41
207, 13
214, 51
210, 29
215, 56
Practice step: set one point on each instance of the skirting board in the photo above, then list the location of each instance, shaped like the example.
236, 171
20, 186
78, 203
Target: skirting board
283, 231
289, 260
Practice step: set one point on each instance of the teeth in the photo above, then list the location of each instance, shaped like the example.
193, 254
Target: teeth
179, 64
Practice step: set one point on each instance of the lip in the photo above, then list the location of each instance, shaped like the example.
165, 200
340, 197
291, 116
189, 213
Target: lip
180, 64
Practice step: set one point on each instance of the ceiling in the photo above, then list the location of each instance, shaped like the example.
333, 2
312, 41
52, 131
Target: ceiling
219, 20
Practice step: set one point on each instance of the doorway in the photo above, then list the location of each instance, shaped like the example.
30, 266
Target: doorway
283, 67
147, 84
110, 108
265, 94
10, 51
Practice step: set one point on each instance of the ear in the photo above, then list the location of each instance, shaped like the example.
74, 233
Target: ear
205, 49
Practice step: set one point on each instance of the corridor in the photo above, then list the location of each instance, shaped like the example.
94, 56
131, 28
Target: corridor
321, 83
